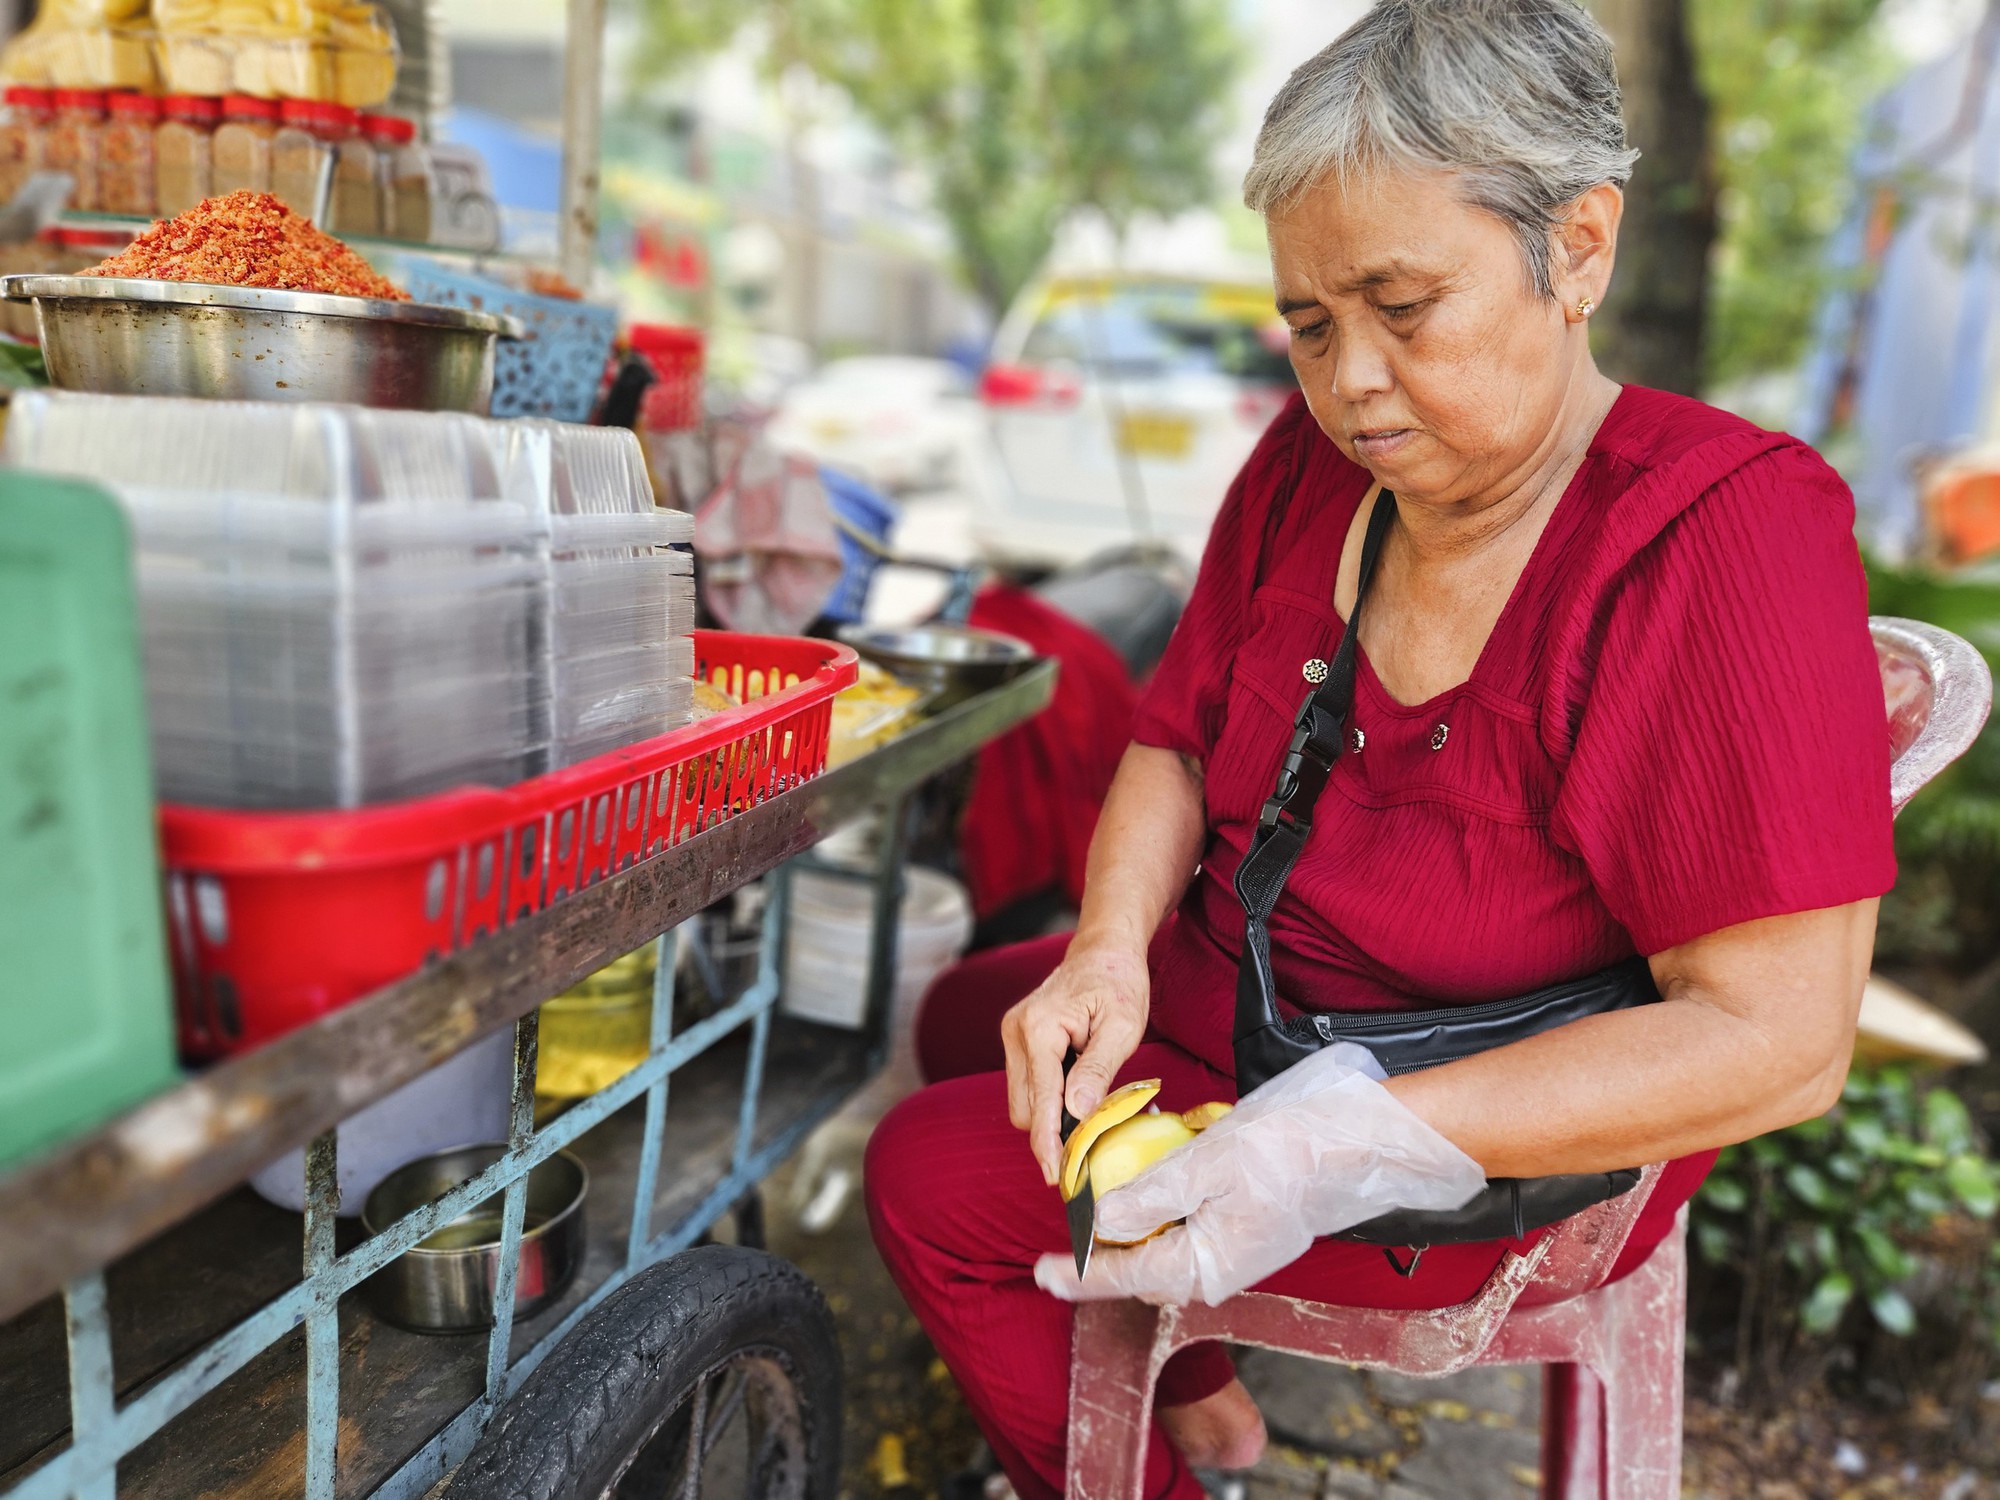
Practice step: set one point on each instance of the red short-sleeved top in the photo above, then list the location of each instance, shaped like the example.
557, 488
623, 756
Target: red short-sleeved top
1676, 725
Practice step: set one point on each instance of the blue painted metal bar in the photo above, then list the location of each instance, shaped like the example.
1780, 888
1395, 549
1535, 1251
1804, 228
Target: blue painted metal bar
879, 997
449, 1449
666, 963
92, 1391
514, 1205
323, 1317
765, 992
218, 1361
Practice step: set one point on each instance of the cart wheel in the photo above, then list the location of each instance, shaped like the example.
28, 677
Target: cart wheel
714, 1374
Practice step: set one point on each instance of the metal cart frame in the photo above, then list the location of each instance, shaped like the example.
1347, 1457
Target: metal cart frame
65, 1217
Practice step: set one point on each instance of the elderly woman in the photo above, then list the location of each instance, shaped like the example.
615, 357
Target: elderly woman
1615, 696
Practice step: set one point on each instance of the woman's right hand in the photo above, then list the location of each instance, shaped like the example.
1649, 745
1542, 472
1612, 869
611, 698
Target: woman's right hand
1095, 1004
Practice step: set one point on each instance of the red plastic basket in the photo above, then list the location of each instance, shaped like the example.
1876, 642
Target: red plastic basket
673, 401
278, 918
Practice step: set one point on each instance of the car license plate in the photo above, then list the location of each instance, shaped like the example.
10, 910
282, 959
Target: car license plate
1156, 434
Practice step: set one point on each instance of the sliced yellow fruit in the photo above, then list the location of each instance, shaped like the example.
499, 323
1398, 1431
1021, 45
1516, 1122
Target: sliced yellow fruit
1118, 1106
1126, 1150
1204, 1115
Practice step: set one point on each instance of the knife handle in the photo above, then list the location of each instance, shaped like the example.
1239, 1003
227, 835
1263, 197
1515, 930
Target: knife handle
1069, 1121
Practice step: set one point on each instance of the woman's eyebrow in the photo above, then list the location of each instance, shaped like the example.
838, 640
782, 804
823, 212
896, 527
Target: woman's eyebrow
1395, 270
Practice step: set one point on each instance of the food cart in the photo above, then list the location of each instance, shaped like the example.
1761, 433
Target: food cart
388, 1412
164, 1333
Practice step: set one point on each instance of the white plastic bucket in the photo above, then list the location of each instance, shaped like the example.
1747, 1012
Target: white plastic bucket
462, 1102
826, 960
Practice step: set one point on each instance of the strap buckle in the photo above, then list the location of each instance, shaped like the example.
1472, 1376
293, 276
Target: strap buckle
1301, 778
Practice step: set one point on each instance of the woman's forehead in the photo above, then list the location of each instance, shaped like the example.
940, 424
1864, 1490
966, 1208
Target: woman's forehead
1379, 229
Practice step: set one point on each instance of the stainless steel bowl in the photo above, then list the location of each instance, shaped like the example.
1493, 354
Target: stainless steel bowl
445, 1284
127, 337
952, 661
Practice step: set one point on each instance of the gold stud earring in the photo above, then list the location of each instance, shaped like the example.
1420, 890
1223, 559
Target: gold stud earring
1585, 307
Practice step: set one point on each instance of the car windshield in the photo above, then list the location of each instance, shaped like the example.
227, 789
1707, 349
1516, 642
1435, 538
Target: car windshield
1161, 329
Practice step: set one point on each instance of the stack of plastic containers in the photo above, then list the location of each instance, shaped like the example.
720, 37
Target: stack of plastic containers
345, 606
619, 581
338, 604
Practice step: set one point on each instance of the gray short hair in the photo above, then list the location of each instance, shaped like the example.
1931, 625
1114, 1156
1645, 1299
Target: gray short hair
1517, 99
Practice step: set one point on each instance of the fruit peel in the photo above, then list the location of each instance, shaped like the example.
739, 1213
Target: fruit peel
1202, 1116
1119, 1106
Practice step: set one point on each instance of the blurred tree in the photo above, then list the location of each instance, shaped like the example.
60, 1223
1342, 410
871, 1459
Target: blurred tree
1650, 330
1791, 82
1020, 110
1748, 112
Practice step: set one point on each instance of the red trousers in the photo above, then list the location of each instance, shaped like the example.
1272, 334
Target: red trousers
961, 1214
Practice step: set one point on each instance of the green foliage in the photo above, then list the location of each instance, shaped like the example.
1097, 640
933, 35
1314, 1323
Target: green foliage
1834, 1225
1790, 82
1021, 110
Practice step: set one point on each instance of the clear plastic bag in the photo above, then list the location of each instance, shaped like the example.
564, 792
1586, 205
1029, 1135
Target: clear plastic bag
1320, 1148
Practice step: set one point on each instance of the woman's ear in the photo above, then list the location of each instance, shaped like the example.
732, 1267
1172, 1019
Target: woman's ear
1587, 244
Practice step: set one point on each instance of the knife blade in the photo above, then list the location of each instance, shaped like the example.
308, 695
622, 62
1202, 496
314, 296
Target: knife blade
1082, 1209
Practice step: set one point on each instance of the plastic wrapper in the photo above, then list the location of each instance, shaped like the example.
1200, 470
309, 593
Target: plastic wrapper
337, 51
83, 47
85, 14
1320, 1148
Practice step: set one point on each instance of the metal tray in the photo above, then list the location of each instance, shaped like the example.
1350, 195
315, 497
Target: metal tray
131, 337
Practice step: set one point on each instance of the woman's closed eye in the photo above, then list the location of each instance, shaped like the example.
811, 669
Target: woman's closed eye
1400, 313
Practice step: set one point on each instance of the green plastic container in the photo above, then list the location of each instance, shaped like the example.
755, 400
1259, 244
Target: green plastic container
86, 1022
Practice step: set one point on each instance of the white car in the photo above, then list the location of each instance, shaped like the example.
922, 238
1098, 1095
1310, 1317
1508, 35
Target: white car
1118, 409
898, 422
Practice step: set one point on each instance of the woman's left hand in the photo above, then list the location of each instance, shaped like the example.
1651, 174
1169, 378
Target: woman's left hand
1318, 1149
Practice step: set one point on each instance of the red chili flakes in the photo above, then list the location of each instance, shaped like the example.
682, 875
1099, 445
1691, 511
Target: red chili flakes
248, 239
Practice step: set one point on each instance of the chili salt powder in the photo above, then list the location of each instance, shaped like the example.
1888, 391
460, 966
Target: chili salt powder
248, 239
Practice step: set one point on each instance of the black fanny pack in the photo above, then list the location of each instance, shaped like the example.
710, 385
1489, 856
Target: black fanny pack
1402, 1041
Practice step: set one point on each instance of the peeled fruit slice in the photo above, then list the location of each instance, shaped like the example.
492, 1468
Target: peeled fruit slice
1202, 1116
1124, 1151
1118, 1106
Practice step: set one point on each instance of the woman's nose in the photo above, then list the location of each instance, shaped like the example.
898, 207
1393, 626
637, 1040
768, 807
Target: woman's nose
1360, 369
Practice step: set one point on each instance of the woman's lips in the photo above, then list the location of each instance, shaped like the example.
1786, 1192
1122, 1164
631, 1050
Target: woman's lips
1382, 442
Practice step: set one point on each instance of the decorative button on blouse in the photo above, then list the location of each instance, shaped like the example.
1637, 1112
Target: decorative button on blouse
1315, 671
1439, 733
1357, 739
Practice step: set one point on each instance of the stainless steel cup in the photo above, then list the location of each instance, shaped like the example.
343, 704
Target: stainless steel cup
445, 1284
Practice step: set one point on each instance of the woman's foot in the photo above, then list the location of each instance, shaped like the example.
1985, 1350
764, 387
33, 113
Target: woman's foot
1223, 1431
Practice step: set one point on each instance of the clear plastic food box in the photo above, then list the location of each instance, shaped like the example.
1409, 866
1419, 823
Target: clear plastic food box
345, 606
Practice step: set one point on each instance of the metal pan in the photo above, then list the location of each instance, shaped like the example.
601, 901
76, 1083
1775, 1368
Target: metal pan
129, 337
950, 662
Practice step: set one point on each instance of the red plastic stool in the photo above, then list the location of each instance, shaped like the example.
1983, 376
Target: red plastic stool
1611, 1411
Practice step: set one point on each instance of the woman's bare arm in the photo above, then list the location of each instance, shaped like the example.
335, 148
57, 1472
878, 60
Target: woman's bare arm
1753, 1032
1147, 846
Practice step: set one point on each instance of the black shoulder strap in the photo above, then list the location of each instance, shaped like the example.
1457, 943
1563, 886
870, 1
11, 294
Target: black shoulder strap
1318, 737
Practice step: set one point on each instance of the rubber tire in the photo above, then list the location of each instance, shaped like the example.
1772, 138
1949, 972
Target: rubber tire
601, 1391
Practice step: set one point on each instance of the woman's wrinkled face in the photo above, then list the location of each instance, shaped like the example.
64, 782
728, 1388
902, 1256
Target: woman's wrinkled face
1422, 346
